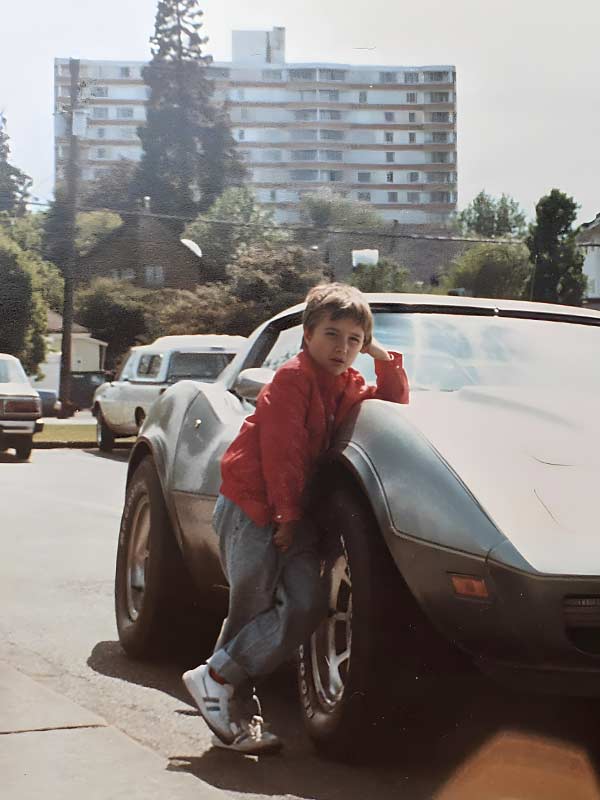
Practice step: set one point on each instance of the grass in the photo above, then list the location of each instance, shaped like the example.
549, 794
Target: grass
55, 432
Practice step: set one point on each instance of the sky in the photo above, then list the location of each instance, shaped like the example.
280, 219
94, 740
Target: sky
528, 74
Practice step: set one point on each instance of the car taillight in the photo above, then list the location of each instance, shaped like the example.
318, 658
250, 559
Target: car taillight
22, 405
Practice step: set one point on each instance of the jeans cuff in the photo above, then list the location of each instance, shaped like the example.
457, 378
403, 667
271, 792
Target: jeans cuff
227, 668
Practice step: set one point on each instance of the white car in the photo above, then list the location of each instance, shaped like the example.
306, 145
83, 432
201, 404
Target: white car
121, 405
20, 408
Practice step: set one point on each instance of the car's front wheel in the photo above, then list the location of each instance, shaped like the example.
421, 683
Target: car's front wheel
355, 663
24, 449
155, 600
105, 438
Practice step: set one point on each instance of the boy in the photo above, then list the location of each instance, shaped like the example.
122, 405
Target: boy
268, 550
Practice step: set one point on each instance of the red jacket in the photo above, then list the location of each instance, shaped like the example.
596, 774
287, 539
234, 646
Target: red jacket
267, 466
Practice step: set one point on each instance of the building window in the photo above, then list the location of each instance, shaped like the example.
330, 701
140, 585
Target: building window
387, 77
99, 113
331, 155
272, 155
412, 138
125, 113
390, 116
241, 135
127, 274
304, 135
411, 97
306, 114
439, 158
439, 137
99, 91
436, 77
125, 72
128, 133
438, 177
364, 197
388, 136
362, 97
413, 177
101, 152
439, 97
304, 174
413, 197
331, 74
330, 114
154, 275
329, 95
336, 136
389, 177
308, 96
272, 75
100, 133
273, 195
333, 176
392, 197
439, 197
412, 117
304, 155
440, 116
411, 77
303, 74
364, 177
244, 113
389, 157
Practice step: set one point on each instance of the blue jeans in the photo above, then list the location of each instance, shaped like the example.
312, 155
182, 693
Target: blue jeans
276, 600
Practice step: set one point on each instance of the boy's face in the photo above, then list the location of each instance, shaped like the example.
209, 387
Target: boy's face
334, 344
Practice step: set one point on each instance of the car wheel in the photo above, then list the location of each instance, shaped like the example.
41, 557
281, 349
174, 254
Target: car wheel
105, 438
24, 450
155, 600
356, 661
140, 416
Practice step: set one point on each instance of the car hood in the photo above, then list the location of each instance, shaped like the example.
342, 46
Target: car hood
17, 390
532, 460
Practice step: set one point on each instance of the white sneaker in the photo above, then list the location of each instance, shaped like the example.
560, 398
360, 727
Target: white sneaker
213, 700
252, 739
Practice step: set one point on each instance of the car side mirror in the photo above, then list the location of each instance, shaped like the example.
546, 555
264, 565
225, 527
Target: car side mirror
250, 382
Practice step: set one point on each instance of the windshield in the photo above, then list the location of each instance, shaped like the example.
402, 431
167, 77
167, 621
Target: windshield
446, 352
12, 372
198, 366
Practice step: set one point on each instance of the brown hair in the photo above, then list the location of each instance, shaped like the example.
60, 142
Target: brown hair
338, 300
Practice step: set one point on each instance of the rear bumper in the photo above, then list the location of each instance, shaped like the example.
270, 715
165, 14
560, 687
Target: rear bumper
16, 430
537, 631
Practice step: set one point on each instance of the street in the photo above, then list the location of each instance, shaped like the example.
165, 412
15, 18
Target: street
58, 533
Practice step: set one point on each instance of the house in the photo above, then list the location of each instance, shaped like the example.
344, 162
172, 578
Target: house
145, 251
588, 238
87, 354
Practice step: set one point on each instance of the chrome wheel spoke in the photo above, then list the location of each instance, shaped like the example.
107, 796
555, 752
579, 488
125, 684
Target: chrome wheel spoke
137, 558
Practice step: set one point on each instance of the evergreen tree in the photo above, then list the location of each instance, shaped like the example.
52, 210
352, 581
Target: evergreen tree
188, 151
14, 184
557, 263
486, 216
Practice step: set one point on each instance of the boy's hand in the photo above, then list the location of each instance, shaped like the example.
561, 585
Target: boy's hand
284, 535
375, 350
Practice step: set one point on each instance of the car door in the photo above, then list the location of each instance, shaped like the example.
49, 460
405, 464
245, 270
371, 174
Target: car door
111, 397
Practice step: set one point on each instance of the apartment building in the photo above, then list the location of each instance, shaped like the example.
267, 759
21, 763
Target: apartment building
382, 135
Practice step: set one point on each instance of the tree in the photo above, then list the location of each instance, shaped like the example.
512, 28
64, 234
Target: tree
188, 152
90, 228
486, 216
326, 209
386, 276
14, 184
23, 319
114, 189
114, 313
557, 263
491, 270
246, 224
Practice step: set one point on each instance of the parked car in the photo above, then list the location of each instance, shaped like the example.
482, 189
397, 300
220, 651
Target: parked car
466, 517
20, 408
50, 402
121, 405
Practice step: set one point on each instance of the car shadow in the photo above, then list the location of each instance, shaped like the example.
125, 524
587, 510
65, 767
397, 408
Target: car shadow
442, 745
122, 454
11, 458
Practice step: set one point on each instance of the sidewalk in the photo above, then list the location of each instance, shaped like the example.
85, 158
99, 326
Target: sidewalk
53, 748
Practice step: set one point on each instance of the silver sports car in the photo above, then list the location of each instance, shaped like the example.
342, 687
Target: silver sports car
467, 517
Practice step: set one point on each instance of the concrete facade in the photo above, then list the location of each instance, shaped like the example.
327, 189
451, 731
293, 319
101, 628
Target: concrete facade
383, 135
589, 234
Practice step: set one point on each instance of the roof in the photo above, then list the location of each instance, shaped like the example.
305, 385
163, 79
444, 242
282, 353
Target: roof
199, 341
55, 324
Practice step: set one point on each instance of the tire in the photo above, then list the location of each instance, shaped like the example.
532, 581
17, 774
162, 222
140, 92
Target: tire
155, 601
24, 450
140, 416
105, 438
365, 653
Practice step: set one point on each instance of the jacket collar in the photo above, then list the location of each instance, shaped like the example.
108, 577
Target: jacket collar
326, 381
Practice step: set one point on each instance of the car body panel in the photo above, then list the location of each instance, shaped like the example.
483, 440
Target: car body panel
15, 425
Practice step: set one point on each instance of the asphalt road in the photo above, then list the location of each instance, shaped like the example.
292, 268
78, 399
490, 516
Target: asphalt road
473, 741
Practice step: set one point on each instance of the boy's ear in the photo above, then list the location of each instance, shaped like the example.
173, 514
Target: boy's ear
307, 334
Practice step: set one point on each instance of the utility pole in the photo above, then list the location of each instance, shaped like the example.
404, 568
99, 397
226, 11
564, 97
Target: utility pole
70, 212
